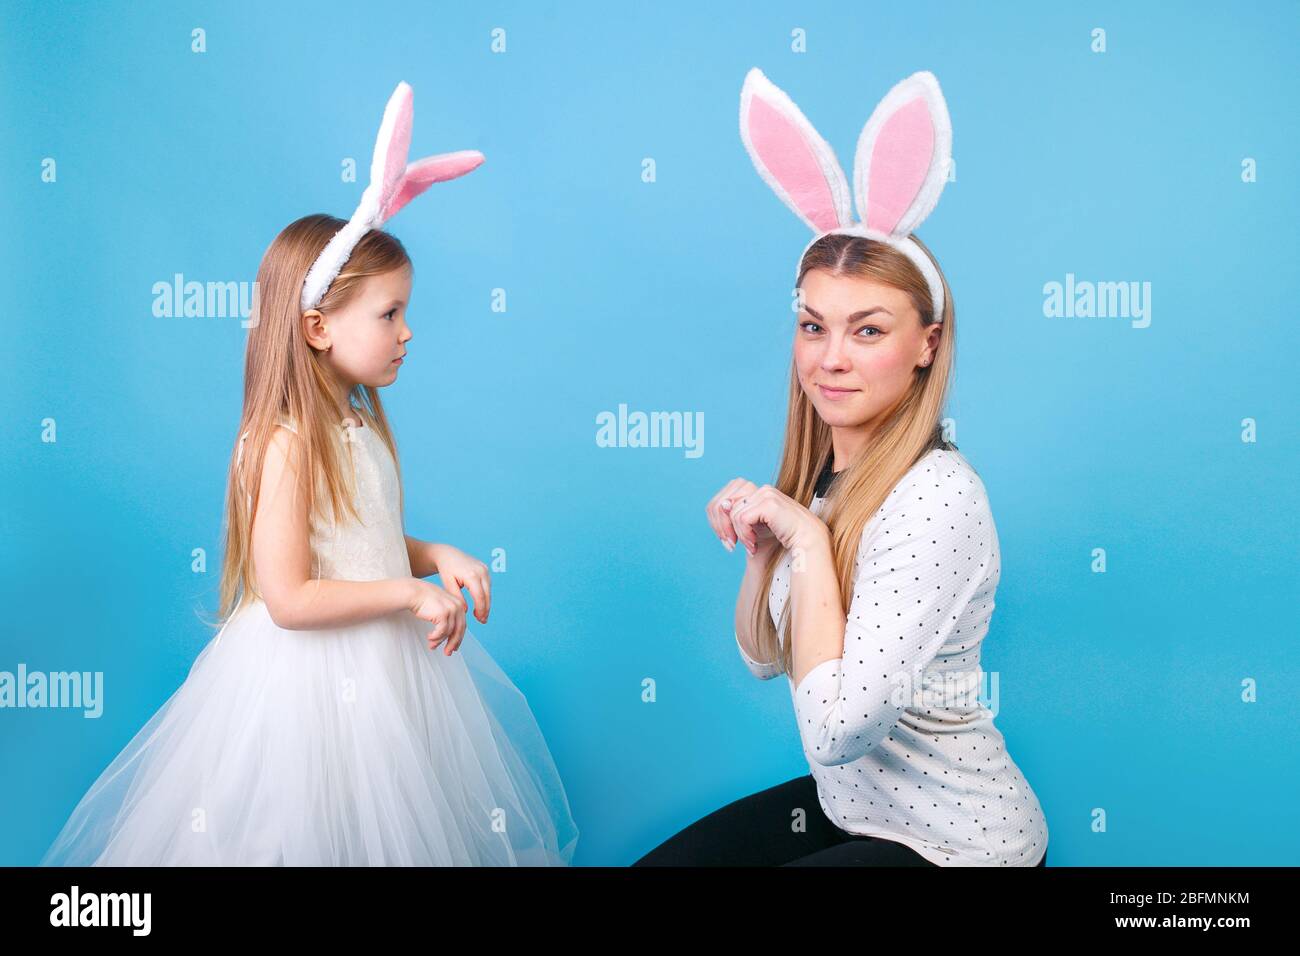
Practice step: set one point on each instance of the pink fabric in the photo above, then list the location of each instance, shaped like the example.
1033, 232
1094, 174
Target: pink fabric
790, 160
423, 173
398, 145
900, 159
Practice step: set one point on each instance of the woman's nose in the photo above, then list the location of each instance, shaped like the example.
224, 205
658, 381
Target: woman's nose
834, 356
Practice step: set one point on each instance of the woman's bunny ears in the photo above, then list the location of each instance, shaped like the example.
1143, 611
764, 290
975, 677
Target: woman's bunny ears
393, 183
900, 168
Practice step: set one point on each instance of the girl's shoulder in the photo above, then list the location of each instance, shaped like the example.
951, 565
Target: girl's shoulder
282, 420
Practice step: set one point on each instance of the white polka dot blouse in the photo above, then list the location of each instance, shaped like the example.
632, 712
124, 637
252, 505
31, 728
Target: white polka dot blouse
894, 732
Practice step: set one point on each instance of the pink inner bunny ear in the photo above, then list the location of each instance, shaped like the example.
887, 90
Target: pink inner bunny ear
790, 155
423, 173
903, 155
393, 144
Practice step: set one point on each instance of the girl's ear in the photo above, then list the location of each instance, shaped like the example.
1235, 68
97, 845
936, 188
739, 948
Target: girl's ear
791, 156
313, 328
903, 155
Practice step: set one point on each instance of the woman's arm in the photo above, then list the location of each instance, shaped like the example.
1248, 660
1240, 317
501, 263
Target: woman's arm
917, 571
754, 572
816, 612
282, 557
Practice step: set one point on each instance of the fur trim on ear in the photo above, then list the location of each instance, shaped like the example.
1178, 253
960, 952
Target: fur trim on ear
903, 156
901, 165
791, 156
393, 184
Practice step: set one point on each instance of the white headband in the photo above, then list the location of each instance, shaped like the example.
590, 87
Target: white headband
392, 185
900, 168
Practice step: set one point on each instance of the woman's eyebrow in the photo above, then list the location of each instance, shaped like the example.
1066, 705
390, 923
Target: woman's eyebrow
852, 318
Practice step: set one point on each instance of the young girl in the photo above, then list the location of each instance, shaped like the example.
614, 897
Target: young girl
344, 715
873, 561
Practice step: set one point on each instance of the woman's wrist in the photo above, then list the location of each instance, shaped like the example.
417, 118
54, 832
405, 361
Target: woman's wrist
812, 535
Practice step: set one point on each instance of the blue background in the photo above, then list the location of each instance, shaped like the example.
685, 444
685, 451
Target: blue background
1119, 691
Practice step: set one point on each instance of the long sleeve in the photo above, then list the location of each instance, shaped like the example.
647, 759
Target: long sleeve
922, 558
757, 668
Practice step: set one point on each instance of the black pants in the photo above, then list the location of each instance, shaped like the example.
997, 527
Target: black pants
758, 830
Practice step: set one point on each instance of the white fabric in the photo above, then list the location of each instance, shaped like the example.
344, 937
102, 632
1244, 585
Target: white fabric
353, 745
892, 757
903, 244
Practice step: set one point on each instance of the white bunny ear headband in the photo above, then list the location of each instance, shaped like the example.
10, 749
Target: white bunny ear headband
393, 184
899, 170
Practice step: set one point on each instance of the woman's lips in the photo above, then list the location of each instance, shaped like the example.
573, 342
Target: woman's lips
836, 394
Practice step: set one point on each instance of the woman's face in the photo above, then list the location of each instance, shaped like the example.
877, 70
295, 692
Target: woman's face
369, 334
857, 345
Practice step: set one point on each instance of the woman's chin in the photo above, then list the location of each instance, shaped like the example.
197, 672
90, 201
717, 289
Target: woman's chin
838, 416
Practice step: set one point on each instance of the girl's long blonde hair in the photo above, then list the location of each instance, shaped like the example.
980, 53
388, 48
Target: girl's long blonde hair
284, 379
909, 430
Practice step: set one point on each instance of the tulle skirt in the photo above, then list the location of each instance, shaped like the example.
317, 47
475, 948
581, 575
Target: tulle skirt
352, 746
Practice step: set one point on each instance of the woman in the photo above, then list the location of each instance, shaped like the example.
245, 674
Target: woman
873, 561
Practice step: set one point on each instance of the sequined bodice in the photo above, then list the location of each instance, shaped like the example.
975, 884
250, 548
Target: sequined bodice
373, 545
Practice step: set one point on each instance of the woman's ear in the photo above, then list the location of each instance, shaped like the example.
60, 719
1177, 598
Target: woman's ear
313, 328
932, 336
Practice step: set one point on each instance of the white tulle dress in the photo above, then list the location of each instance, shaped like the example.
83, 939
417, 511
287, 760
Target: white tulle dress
355, 745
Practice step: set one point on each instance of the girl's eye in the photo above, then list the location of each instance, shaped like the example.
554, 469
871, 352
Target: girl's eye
389, 314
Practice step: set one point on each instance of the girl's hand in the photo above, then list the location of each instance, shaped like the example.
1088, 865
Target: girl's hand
430, 602
458, 570
766, 515
719, 511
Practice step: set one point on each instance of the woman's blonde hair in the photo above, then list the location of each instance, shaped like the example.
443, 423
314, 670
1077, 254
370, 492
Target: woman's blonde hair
284, 379
909, 430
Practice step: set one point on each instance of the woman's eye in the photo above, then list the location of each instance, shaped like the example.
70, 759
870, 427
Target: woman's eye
871, 328
809, 326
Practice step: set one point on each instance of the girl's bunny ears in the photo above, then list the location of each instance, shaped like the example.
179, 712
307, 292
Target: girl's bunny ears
393, 184
899, 170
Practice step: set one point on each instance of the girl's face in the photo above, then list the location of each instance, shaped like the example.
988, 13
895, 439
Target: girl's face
368, 337
856, 347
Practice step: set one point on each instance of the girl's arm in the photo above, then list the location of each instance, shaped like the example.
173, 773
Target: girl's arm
423, 555
282, 558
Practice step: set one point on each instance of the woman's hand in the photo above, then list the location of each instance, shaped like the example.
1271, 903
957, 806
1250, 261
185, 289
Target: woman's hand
458, 570
430, 602
719, 508
766, 515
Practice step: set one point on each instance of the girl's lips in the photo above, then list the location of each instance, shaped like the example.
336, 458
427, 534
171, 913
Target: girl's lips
834, 394
397, 361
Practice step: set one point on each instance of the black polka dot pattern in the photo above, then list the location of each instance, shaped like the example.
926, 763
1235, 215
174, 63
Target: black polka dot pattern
893, 731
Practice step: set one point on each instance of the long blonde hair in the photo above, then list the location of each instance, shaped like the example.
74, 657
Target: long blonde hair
909, 430
283, 378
